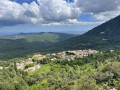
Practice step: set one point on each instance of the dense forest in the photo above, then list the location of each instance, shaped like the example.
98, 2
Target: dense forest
96, 72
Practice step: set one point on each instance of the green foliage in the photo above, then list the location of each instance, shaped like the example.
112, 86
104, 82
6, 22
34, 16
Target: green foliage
35, 87
10, 79
117, 83
87, 83
69, 53
46, 37
29, 65
107, 74
44, 83
34, 59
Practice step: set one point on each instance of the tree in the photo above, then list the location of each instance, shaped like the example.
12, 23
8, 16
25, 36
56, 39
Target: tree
88, 83
35, 87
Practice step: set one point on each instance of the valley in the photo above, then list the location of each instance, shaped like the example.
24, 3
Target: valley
31, 43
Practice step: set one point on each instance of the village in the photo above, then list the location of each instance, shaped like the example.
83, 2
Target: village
31, 64
71, 55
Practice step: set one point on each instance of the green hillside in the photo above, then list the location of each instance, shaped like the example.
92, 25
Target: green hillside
49, 37
10, 48
46, 37
42, 36
19, 36
103, 37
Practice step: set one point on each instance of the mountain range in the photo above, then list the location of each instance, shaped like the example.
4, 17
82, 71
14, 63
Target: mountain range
19, 45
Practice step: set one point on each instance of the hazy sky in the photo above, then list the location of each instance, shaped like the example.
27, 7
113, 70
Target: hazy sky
55, 15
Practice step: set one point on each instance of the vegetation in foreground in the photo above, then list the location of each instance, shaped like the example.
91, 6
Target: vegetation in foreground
96, 72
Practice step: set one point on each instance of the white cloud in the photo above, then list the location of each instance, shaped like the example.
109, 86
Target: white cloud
100, 9
70, 22
76, 22
56, 12
97, 6
12, 13
104, 16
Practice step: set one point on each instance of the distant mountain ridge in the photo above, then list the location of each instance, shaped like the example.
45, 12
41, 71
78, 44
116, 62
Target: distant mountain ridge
49, 37
29, 43
104, 37
26, 35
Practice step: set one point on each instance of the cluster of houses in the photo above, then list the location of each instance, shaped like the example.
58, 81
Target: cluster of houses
62, 56
84, 53
36, 67
23, 63
39, 56
76, 54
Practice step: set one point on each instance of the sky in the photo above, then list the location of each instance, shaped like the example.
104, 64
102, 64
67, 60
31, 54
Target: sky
70, 16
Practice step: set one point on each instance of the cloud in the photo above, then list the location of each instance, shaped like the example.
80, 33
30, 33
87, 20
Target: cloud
70, 22
100, 9
45, 12
12, 13
56, 12
76, 22
107, 15
97, 6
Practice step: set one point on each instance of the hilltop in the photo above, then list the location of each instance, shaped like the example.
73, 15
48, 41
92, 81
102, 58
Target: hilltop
42, 36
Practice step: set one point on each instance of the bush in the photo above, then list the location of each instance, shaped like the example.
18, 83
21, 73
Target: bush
29, 65
35, 87
88, 83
